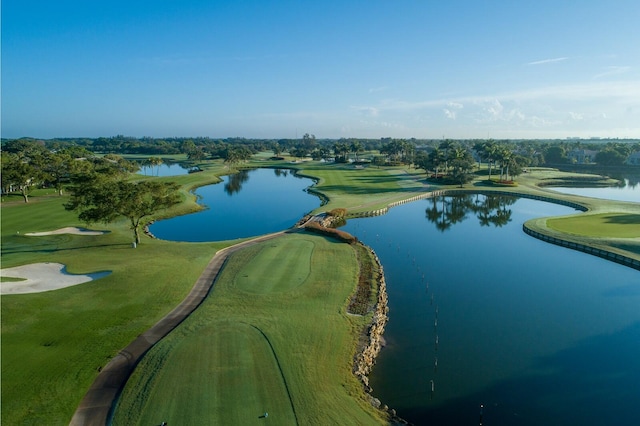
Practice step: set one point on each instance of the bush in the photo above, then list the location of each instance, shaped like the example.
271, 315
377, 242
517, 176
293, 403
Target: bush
334, 233
338, 213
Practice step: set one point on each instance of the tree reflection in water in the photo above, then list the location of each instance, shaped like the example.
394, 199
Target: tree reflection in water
235, 182
446, 211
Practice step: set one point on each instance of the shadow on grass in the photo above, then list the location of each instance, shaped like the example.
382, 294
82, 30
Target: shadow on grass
50, 247
623, 219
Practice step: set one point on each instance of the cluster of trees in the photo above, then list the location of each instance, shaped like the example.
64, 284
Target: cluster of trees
29, 165
99, 188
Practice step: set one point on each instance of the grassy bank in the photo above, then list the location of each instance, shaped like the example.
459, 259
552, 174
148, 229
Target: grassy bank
273, 336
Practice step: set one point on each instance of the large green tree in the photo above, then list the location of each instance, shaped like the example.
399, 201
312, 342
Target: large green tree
22, 173
97, 198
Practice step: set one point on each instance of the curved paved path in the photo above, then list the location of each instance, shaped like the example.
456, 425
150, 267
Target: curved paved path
97, 405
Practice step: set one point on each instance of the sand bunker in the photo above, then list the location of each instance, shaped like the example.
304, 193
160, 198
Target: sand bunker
40, 277
67, 230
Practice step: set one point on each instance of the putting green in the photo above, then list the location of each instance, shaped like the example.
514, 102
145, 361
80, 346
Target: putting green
275, 267
612, 225
234, 360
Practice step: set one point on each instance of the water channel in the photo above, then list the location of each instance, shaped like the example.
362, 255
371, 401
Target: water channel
481, 314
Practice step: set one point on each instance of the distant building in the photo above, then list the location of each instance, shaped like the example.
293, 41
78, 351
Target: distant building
582, 156
634, 159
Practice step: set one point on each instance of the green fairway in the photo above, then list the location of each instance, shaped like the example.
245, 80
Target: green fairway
282, 350
364, 189
614, 225
208, 375
276, 267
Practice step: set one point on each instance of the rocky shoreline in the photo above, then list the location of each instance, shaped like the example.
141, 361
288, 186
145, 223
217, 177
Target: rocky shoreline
365, 359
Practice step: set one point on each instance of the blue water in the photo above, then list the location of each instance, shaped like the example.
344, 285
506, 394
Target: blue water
246, 204
163, 170
536, 333
625, 192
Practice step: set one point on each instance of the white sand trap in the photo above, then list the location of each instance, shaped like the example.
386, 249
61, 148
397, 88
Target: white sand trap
67, 230
40, 277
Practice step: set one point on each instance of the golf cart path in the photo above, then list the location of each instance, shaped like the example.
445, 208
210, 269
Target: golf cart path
97, 404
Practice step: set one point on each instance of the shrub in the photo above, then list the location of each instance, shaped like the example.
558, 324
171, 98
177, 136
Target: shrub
334, 233
338, 213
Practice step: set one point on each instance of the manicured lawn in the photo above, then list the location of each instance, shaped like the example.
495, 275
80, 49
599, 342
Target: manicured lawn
53, 343
614, 225
229, 361
363, 189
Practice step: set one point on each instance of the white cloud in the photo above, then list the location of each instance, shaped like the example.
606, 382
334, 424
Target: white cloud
613, 70
547, 61
452, 109
367, 110
597, 106
378, 89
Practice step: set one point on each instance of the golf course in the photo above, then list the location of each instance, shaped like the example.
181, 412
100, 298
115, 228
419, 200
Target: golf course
271, 342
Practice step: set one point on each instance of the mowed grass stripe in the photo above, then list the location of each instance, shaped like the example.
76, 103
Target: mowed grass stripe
204, 378
313, 343
276, 267
612, 225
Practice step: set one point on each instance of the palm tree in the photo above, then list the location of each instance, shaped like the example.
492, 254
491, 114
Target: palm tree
156, 161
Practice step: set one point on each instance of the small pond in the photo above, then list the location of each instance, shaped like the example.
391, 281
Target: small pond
245, 204
626, 191
482, 314
163, 170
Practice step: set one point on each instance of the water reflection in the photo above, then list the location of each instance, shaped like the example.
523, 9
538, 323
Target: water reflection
281, 172
470, 327
489, 209
234, 185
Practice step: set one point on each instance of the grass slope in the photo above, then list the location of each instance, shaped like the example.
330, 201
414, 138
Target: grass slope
220, 355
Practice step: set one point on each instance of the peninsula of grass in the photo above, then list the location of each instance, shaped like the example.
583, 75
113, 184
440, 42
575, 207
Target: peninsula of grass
611, 225
273, 336
364, 189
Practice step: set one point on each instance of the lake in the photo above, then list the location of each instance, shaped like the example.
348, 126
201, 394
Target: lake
245, 204
484, 314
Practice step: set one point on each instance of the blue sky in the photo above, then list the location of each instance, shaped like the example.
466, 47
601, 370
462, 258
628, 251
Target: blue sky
279, 69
